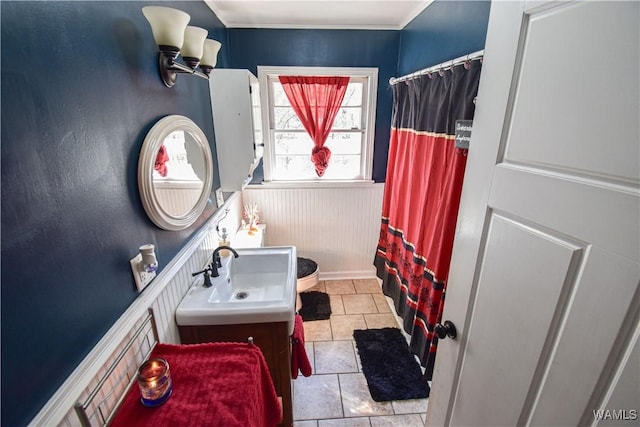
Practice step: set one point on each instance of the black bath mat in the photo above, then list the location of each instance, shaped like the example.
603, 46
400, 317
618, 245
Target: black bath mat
315, 306
392, 372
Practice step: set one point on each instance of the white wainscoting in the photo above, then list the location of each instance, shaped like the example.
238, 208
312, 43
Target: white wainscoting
177, 197
338, 227
163, 295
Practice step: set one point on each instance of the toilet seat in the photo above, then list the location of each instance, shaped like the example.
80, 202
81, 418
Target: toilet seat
308, 277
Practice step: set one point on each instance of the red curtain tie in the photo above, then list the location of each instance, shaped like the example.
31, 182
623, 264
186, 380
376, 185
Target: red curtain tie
320, 157
161, 159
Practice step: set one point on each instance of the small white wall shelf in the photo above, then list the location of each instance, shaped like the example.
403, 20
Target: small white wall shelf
243, 239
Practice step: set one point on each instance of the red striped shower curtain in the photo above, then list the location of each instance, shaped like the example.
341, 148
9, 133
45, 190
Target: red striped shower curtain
421, 197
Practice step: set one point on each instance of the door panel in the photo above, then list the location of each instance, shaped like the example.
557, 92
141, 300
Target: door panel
545, 271
558, 65
626, 394
588, 210
524, 264
594, 314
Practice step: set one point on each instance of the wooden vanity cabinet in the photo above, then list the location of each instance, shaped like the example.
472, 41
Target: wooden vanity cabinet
274, 342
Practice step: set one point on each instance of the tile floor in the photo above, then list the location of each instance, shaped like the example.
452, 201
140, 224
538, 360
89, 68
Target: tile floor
337, 394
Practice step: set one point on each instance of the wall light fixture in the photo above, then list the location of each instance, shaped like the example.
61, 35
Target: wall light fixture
174, 37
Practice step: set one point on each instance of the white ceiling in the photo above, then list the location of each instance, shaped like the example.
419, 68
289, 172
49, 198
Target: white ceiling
332, 14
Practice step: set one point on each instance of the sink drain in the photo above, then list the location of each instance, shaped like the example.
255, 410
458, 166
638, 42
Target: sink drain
241, 295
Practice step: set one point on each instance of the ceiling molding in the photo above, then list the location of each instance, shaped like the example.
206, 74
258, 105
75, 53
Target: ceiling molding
312, 14
417, 11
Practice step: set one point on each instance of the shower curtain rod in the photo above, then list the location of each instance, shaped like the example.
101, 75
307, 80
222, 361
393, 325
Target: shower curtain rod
442, 66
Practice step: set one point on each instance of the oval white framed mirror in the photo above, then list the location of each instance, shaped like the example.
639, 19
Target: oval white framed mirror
175, 173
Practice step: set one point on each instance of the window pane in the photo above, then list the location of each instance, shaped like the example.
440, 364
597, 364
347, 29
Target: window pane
279, 97
343, 167
292, 143
353, 95
294, 168
344, 142
286, 118
300, 167
300, 143
348, 118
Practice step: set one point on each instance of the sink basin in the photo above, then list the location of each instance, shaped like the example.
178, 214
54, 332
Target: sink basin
257, 287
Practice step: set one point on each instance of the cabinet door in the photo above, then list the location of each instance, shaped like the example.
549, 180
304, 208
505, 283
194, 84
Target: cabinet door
231, 105
256, 118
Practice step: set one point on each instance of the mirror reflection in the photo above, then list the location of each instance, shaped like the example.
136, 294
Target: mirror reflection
179, 174
175, 173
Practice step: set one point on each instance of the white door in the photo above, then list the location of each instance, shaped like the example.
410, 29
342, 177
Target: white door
544, 280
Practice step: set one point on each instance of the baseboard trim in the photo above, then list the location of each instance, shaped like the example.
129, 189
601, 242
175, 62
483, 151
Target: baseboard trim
348, 275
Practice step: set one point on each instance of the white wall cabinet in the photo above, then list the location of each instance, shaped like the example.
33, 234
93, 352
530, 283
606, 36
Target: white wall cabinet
235, 103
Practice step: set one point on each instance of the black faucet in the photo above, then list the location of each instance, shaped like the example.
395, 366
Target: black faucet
207, 276
217, 262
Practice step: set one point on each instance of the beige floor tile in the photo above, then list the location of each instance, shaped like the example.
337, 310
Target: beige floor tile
345, 422
316, 397
335, 357
414, 406
383, 320
320, 287
382, 304
356, 400
367, 286
340, 287
342, 326
340, 393
358, 304
424, 418
412, 420
337, 307
317, 330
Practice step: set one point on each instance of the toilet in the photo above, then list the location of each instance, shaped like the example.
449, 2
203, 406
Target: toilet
308, 274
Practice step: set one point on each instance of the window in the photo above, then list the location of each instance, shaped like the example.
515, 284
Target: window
288, 146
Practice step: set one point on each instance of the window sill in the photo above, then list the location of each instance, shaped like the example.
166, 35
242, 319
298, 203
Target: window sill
312, 184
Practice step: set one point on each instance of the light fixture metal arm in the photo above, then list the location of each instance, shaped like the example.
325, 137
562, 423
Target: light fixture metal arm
169, 70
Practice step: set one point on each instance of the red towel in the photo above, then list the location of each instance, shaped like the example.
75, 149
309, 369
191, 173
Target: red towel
299, 359
214, 384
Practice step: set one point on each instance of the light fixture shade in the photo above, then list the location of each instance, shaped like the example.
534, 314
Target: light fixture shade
167, 24
193, 42
210, 56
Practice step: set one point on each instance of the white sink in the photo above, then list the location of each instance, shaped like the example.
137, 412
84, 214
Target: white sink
257, 287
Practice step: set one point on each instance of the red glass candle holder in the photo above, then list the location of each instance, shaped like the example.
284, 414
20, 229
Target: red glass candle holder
154, 380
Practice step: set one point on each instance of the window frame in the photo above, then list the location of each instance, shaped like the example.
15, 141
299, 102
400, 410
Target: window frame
267, 74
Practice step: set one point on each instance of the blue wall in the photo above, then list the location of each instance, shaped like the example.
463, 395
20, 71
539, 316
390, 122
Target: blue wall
445, 30
327, 48
80, 89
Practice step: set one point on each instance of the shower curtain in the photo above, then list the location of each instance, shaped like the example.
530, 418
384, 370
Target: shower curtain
421, 197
